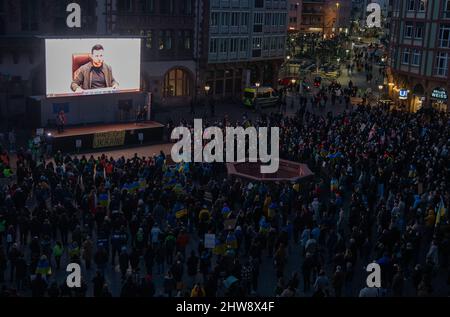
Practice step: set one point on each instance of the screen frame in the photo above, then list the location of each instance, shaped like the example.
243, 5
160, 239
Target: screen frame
91, 37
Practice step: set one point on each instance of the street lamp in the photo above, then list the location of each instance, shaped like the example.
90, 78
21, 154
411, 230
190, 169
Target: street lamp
257, 85
207, 89
380, 88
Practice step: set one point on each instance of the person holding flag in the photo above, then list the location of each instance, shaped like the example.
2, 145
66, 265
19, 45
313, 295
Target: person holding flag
226, 211
441, 212
180, 211
231, 241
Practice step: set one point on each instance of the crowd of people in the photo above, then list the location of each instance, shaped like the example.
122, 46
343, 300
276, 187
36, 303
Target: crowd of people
381, 193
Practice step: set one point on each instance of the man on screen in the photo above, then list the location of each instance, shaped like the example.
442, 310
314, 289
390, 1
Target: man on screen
96, 74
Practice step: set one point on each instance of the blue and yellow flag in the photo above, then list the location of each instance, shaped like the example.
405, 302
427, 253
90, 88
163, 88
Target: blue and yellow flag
220, 248
440, 212
231, 241
103, 199
180, 211
226, 211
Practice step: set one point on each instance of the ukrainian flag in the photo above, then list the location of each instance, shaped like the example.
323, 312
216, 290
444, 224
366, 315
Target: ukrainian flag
103, 199
226, 211
231, 241
272, 210
263, 225
220, 248
440, 212
180, 211
142, 184
334, 185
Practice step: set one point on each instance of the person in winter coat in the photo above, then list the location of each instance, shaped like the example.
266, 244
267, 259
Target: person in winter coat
87, 252
338, 281
124, 262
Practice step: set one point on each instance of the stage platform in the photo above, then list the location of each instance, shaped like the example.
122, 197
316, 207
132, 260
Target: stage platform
105, 136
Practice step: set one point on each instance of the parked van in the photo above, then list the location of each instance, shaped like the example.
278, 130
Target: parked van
260, 97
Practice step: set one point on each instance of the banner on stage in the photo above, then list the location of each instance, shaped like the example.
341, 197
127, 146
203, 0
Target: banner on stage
109, 139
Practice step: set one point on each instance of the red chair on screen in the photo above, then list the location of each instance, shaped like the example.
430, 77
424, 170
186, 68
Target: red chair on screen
79, 60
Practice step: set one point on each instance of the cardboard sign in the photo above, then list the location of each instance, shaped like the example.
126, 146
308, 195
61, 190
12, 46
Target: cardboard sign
230, 224
210, 241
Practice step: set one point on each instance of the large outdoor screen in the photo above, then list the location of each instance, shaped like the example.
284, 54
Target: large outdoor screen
80, 67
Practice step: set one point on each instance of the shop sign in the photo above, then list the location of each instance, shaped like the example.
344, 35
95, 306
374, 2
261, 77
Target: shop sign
439, 93
403, 94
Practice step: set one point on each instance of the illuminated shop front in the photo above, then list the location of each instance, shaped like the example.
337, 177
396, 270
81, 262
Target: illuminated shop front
439, 99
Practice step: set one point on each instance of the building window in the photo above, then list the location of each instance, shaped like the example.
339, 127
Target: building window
235, 19
422, 5
167, 6
259, 3
234, 43
168, 40
244, 45
416, 57
257, 43
441, 64
406, 56
223, 45
148, 6
268, 19
273, 43
149, 39
213, 46
161, 40
186, 7
411, 5
258, 18
214, 19
409, 29
125, 5
266, 43
444, 36
187, 40
29, 20
419, 30
447, 9
225, 19
177, 83
281, 42
283, 19
244, 19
